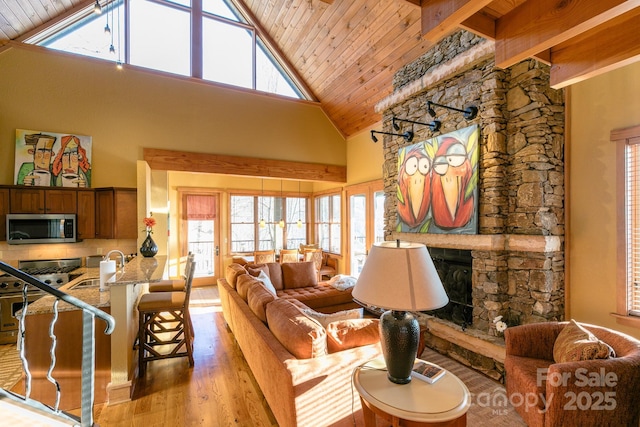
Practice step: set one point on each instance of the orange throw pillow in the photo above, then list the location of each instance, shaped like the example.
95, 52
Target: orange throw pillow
575, 343
346, 334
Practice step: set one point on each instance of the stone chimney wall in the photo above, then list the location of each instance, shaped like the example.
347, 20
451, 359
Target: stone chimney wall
518, 255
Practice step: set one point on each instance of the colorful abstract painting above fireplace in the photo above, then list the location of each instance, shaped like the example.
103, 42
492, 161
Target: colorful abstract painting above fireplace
437, 187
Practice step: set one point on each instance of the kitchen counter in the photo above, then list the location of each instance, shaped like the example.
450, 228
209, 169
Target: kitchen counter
138, 270
118, 369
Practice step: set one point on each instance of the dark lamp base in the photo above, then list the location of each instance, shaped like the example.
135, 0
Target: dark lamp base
399, 338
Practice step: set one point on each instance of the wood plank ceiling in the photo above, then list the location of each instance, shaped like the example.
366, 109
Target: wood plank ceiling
347, 51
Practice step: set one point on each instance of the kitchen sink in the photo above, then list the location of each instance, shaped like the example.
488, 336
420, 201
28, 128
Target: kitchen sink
87, 283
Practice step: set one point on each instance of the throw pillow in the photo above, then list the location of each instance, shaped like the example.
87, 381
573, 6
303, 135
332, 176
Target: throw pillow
299, 334
575, 343
255, 269
266, 281
346, 334
342, 282
232, 272
299, 274
243, 283
258, 296
325, 318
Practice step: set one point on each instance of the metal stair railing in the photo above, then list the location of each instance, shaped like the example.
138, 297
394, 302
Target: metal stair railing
89, 313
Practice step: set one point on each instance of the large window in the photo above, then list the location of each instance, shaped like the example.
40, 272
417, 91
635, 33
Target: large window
628, 287
267, 222
211, 40
328, 223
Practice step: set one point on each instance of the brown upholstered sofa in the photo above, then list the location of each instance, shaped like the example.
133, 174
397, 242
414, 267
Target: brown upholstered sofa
597, 392
303, 369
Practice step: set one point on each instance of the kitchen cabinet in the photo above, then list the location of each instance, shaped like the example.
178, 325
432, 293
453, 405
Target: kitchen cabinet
116, 213
43, 201
86, 214
4, 210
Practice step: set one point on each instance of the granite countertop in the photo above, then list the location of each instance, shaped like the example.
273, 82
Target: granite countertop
138, 270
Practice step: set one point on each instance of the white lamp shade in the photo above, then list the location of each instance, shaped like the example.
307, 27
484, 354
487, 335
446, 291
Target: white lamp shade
400, 276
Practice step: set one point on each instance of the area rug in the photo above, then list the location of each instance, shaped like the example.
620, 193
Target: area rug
489, 403
10, 366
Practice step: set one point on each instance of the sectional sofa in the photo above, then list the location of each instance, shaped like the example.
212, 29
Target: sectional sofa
301, 342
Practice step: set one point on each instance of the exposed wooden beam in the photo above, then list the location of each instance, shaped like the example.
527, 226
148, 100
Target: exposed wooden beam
245, 166
536, 26
441, 17
611, 45
481, 25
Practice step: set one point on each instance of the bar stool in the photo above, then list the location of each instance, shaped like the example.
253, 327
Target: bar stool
164, 324
170, 285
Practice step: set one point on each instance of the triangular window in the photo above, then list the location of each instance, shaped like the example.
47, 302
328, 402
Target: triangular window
215, 42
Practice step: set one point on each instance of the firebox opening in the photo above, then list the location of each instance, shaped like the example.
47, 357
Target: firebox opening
454, 267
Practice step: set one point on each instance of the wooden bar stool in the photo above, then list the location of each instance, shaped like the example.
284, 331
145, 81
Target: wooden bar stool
164, 324
171, 285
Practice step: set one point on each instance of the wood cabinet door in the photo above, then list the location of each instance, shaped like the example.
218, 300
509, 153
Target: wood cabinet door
86, 214
4, 210
27, 200
105, 214
61, 201
126, 205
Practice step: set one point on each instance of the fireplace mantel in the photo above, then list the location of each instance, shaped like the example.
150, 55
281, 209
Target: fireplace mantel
484, 242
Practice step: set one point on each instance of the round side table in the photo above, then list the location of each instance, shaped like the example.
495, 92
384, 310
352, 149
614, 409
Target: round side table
417, 404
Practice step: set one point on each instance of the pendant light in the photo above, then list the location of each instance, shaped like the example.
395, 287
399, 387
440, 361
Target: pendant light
262, 223
97, 9
107, 29
299, 207
112, 49
281, 223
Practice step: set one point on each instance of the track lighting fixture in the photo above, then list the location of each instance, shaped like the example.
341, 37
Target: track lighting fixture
97, 9
469, 113
408, 135
434, 126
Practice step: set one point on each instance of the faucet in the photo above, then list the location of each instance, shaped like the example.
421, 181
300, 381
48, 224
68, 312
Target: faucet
108, 256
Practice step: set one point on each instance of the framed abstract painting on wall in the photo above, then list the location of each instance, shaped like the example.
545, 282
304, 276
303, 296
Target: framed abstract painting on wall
48, 159
437, 186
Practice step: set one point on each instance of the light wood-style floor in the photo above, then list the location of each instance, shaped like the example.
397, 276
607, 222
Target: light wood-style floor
218, 391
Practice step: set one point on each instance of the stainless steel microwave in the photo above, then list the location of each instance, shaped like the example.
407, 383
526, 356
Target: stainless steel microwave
36, 228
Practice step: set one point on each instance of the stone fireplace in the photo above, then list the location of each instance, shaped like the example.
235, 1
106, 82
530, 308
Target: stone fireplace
517, 257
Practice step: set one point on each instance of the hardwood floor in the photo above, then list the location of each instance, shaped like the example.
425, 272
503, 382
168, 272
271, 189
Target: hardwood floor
218, 391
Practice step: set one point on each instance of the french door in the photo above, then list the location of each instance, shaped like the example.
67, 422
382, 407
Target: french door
365, 211
200, 233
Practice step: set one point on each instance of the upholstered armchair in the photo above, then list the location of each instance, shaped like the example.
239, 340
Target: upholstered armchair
581, 393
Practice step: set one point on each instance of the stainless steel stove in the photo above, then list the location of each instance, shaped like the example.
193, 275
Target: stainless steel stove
54, 273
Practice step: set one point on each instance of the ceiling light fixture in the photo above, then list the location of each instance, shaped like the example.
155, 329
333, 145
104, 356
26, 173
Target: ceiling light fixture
119, 61
97, 9
408, 135
299, 207
262, 223
281, 223
469, 113
434, 126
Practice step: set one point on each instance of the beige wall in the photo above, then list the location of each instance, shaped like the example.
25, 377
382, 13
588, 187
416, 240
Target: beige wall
126, 110
598, 106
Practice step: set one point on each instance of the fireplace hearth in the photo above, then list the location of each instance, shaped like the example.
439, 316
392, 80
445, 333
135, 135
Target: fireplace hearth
454, 267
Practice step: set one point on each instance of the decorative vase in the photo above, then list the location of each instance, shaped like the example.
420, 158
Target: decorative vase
149, 248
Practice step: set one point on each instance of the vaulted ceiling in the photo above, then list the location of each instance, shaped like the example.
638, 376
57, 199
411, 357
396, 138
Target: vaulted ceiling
347, 51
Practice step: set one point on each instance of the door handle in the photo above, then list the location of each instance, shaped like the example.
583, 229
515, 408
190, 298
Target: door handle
217, 250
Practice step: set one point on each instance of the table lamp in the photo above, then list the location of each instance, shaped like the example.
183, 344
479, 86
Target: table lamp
399, 277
